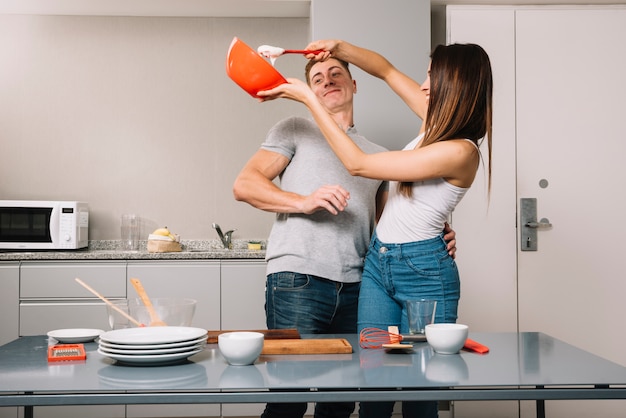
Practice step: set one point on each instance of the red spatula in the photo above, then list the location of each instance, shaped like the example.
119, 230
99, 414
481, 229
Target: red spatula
476, 347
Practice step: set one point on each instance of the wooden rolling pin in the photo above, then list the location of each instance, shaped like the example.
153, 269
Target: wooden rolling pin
270, 334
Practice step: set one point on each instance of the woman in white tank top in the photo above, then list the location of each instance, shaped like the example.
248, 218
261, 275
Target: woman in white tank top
407, 258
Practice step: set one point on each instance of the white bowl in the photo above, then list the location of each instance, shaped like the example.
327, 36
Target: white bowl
177, 312
240, 348
446, 338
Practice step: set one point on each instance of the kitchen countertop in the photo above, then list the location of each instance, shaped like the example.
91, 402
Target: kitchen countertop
111, 250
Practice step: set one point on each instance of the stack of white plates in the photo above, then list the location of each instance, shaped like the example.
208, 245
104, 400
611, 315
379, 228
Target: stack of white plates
152, 345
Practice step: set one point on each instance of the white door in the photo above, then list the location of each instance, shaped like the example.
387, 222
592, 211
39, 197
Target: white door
571, 92
565, 126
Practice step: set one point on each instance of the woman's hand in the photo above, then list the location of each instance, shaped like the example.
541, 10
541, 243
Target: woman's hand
328, 46
294, 89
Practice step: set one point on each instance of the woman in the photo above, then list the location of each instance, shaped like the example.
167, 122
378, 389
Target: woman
407, 257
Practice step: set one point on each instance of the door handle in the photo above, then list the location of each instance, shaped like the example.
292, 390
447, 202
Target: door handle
543, 223
529, 224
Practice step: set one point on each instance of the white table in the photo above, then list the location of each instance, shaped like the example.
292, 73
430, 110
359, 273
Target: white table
524, 366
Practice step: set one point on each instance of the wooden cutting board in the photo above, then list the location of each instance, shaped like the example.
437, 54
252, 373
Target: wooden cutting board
270, 334
307, 346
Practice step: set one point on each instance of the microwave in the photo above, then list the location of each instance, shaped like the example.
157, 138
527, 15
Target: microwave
43, 225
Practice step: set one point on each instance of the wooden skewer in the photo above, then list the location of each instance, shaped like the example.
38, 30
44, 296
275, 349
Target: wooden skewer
108, 302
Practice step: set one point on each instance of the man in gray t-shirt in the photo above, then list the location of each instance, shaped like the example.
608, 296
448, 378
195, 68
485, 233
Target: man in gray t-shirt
324, 220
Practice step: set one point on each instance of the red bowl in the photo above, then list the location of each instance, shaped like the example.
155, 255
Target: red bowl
249, 70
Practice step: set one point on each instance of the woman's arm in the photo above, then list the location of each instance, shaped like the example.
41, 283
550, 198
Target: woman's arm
449, 159
375, 64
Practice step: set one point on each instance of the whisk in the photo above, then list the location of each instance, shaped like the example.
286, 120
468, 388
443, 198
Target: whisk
376, 337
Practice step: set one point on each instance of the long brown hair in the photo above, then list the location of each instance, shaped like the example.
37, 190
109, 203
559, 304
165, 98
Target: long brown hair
460, 105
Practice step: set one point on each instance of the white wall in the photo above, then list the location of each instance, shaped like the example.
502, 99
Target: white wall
136, 114
399, 30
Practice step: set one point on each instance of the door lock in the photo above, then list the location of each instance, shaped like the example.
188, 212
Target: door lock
529, 224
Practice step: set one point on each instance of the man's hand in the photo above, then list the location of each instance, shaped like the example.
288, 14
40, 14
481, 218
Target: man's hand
450, 237
334, 199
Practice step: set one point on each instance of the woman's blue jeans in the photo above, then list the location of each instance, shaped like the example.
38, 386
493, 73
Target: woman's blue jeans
312, 305
393, 274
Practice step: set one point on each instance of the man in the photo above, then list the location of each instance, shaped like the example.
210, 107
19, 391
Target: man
323, 224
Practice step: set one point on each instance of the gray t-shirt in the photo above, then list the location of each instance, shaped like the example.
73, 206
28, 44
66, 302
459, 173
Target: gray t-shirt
321, 244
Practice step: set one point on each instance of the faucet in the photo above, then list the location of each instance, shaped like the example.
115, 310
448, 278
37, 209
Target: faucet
226, 238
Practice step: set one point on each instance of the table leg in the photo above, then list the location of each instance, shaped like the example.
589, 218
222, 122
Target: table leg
29, 409
541, 406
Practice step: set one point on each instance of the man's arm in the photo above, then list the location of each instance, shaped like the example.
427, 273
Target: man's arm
254, 185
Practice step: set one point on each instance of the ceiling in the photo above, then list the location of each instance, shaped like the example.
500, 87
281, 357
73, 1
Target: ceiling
216, 8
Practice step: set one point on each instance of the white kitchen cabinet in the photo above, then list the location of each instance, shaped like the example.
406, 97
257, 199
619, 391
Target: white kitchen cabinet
50, 298
243, 294
9, 301
9, 312
38, 296
80, 411
198, 280
243, 307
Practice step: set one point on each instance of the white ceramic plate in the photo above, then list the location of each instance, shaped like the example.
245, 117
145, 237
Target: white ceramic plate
189, 343
134, 352
151, 359
75, 335
152, 335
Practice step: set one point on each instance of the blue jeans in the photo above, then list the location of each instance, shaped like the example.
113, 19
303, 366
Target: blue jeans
393, 274
312, 305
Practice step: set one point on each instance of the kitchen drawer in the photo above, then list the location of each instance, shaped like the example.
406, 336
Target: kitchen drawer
168, 411
39, 317
198, 280
56, 279
243, 294
80, 411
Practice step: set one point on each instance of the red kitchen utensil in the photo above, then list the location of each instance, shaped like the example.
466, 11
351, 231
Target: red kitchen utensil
476, 347
66, 352
376, 338
155, 320
274, 52
302, 51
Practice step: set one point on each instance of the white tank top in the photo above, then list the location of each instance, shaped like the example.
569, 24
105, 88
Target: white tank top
423, 215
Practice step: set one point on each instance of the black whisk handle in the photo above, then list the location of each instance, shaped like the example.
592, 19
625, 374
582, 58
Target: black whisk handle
414, 338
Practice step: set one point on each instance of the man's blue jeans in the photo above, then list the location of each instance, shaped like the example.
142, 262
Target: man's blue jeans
393, 274
312, 305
